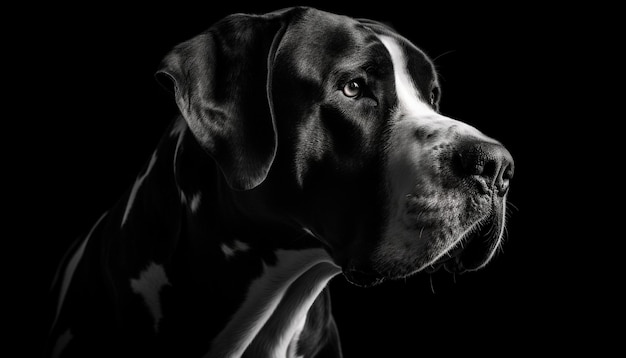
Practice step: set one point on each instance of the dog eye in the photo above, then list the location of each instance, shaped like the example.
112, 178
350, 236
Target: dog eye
353, 88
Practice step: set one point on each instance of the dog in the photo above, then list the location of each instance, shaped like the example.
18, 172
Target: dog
309, 145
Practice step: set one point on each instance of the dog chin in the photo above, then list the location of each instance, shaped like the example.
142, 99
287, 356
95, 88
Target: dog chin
409, 250
406, 250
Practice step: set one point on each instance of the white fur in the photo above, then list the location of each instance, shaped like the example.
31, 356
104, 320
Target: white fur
149, 285
195, 202
276, 305
409, 100
411, 106
238, 246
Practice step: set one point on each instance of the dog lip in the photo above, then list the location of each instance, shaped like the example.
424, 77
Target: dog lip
454, 260
450, 260
362, 278
422, 222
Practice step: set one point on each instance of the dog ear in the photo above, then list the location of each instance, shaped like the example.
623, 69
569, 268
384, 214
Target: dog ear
221, 80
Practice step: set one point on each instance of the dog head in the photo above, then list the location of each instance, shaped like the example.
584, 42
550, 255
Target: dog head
333, 124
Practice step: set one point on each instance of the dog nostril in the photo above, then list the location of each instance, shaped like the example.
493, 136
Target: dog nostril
425, 133
507, 174
490, 161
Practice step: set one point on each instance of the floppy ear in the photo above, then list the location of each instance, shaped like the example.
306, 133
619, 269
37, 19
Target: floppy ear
222, 85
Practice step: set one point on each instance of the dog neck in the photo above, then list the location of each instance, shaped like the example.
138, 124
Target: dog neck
276, 305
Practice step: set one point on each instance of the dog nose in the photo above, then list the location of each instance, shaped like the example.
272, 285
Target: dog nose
490, 161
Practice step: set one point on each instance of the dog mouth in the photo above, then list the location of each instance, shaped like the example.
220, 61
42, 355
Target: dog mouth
363, 278
471, 251
455, 241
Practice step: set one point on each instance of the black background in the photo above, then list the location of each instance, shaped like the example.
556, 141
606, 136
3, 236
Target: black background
89, 113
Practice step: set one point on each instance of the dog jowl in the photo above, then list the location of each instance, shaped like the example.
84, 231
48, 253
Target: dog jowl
308, 145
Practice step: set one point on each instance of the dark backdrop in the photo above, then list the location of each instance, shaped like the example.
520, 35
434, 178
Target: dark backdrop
90, 114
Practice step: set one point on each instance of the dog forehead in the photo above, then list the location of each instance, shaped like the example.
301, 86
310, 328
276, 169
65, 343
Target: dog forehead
320, 42
414, 79
318, 34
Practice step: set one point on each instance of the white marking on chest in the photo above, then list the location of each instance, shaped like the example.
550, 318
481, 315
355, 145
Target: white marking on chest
149, 285
68, 273
61, 343
292, 348
276, 306
237, 246
136, 186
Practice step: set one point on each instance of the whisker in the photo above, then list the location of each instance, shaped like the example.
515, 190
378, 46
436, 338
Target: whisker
443, 54
492, 232
510, 206
432, 287
506, 232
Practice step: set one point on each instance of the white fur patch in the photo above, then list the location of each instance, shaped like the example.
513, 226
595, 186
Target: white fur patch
149, 285
136, 186
409, 100
276, 305
411, 106
238, 246
195, 202
292, 348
